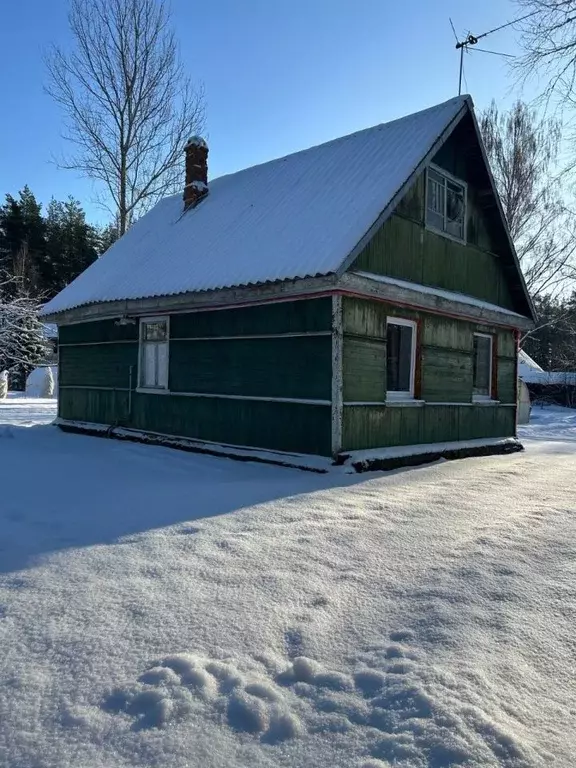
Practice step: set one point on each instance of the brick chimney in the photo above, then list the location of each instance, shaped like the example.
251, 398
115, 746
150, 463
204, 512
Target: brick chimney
196, 187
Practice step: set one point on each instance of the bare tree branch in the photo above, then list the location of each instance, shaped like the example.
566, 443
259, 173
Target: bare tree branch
128, 103
523, 150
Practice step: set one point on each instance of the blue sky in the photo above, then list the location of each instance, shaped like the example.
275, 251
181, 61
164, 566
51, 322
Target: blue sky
279, 76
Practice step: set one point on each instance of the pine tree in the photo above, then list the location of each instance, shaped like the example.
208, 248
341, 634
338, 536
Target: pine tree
71, 244
22, 238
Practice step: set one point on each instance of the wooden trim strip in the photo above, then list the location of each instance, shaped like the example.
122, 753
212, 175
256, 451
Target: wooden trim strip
253, 336
297, 400
337, 375
424, 404
364, 402
103, 389
96, 343
494, 371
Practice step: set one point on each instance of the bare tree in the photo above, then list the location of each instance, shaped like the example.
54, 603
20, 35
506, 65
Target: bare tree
523, 150
548, 37
129, 106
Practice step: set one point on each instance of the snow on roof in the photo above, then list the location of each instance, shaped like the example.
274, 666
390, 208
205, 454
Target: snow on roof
294, 217
524, 359
440, 292
50, 330
531, 376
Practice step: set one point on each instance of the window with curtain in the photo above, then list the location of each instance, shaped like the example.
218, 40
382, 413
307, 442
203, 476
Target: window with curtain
154, 353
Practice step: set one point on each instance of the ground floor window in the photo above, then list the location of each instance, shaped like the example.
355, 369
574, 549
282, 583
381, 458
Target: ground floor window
400, 358
154, 353
482, 366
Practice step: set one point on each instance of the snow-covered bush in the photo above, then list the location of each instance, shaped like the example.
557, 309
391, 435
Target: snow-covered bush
3, 385
40, 383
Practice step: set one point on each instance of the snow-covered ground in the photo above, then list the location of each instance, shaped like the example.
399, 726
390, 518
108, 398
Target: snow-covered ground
26, 411
160, 608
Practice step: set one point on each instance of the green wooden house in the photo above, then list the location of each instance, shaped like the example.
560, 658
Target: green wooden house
362, 294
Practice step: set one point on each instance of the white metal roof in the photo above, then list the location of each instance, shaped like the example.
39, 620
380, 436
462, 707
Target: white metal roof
298, 216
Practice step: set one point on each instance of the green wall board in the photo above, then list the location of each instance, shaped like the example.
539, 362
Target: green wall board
101, 330
293, 367
381, 426
259, 424
364, 369
102, 365
297, 367
306, 315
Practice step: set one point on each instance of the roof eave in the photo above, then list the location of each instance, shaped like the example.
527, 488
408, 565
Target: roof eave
280, 290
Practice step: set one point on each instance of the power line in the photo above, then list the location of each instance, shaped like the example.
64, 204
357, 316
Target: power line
496, 53
508, 24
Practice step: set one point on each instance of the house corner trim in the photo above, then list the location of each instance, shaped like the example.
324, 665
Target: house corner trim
337, 378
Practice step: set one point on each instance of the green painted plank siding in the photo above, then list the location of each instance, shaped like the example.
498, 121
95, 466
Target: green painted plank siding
101, 330
364, 369
93, 405
98, 365
446, 375
306, 315
446, 347
299, 367
405, 249
276, 426
506, 380
292, 367
375, 426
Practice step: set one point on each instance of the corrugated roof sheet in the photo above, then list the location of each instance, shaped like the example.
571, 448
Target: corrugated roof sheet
294, 217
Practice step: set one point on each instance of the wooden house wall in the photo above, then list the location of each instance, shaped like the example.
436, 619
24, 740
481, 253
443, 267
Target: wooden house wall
285, 354
405, 249
483, 267
444, 373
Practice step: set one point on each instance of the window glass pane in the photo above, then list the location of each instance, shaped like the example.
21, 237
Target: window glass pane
162, 365
455, 209
155, 331
436, 196
482, 365
149, 365
399, 357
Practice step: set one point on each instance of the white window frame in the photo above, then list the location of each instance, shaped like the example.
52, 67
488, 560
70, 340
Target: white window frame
395, 395
449, 177
160, 390
489, 397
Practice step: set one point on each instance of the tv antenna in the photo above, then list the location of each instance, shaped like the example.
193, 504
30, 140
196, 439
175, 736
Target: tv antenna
472, 40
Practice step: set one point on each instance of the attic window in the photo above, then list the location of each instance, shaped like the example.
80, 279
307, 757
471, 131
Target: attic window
446, 204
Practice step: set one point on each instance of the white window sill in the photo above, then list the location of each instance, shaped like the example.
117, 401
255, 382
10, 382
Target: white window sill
407, 402
447, 235
484, 401
152, 391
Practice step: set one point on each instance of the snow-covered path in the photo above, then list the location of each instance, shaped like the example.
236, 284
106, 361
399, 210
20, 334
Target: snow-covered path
159, 608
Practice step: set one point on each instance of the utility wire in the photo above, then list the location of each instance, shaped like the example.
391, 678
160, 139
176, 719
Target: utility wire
508, 24
496, 53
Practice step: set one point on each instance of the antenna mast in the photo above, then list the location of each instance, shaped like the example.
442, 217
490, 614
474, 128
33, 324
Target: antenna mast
470, 40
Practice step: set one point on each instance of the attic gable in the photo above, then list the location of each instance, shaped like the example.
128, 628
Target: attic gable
486, 266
